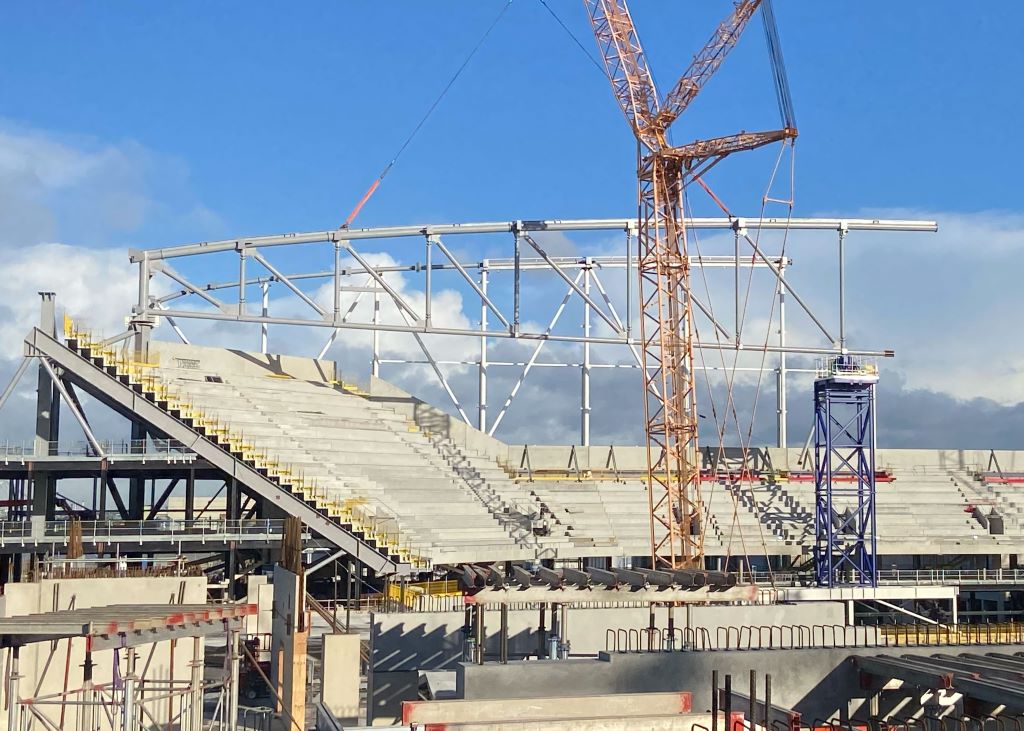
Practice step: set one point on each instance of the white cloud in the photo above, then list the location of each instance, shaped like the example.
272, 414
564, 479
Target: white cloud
945, 302
79, 190
97, 286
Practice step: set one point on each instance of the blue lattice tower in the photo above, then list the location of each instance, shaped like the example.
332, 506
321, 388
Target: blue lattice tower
844, 472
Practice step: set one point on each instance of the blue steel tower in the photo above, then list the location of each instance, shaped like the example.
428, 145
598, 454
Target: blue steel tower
844, 473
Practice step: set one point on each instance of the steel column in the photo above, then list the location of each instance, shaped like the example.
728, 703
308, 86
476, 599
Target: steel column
842, 285
427, 280
47, 415
481, 422
375, 358
585, 370
780, 380
265, 311
12, 689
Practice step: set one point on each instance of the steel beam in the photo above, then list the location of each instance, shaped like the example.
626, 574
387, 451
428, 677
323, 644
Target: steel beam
468, 332
453, 229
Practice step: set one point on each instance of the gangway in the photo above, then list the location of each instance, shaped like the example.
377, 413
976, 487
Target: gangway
166, 534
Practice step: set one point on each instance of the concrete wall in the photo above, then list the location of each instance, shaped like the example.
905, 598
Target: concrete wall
434, 420
290, 641
218, 360
260, 591
401, 645
820, 684
434, 640
42, 665
385, 693
339, 677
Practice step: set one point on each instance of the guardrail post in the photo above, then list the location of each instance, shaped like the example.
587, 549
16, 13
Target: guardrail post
727, 706
714, 700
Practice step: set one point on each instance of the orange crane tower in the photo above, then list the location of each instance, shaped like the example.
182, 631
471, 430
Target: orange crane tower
666, 323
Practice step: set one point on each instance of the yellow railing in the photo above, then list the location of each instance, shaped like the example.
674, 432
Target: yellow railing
286, 476
411, 593
913, 635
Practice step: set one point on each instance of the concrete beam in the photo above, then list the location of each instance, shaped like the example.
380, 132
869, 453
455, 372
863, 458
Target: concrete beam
546, 709
915, 672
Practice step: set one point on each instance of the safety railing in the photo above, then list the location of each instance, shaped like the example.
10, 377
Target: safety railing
900, 577
156, 449
120, 567
988, 633
845, 365
170, 530
950, 722
809, 636
741, 637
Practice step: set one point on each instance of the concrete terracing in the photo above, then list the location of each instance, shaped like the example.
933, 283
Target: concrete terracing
365, 455
451, 494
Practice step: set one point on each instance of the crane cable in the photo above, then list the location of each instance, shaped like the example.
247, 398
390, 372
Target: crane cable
731, 376
451, 82
575, 40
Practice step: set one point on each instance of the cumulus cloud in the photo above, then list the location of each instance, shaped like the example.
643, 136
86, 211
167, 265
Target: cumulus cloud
83, 191
942, 301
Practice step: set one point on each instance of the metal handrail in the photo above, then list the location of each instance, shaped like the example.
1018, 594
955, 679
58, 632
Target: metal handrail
937, 577
171, 529
136, 448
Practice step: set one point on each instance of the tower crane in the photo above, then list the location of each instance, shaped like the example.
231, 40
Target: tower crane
666, 322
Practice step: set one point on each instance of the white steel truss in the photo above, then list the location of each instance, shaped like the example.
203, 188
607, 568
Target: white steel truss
501, 317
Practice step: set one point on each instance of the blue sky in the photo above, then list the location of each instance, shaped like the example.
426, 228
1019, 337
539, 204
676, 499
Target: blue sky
128, 124
283, 114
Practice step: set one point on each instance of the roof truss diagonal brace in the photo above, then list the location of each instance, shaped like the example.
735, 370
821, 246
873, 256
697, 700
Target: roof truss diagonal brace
288, 283
783, 282
399, 301
168, 271
611, 309
437, 370
472, 282
127, 402
348, 313
573, 286
587, 299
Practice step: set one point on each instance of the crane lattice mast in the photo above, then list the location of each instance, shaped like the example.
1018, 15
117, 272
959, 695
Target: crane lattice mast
666, 324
